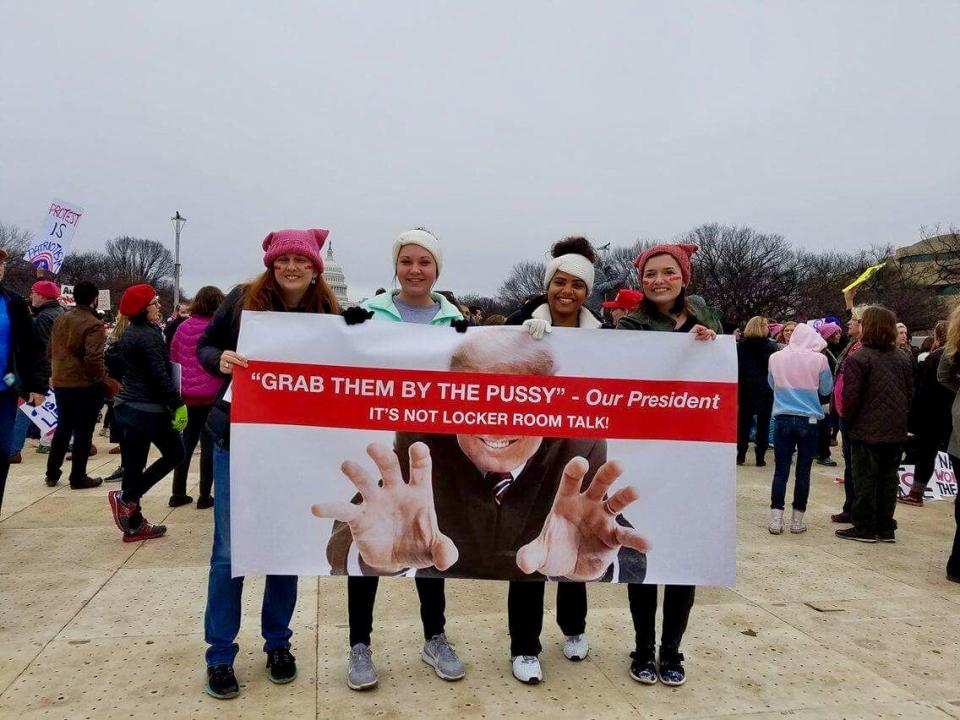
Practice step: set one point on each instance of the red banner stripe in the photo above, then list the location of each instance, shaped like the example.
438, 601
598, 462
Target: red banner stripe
280, 393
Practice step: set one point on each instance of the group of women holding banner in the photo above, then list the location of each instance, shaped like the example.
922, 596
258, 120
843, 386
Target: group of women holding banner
292, 282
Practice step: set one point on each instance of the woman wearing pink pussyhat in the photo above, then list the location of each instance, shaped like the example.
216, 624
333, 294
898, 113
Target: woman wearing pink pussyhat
292, 282
665, 273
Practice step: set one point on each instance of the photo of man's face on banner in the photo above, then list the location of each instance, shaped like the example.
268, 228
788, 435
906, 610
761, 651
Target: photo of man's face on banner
503, 506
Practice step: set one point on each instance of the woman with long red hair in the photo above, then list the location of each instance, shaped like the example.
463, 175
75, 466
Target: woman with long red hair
292, 282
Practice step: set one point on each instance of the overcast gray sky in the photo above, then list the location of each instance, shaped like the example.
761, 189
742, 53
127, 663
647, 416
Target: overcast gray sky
502, 126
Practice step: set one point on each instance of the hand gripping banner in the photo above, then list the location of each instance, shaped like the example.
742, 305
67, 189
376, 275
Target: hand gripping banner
398, 449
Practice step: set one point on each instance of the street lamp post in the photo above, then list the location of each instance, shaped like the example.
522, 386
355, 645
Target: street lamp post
178, 220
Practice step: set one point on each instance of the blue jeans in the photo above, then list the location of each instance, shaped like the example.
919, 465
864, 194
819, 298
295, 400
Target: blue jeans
222, 618
19, 437
8, 408
793, 432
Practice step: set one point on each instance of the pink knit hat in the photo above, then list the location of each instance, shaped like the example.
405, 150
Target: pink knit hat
307, 243
681, 253
828, 330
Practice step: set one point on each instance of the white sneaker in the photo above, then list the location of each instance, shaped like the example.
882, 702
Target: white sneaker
796, 523
526, 669
575, 647
776, 522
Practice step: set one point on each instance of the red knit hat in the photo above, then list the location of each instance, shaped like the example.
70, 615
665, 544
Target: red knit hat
681, 253
136, 298
307, 243
626, 299
47, 289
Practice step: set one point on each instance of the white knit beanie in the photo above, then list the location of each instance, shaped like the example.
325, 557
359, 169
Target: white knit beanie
573, 264
428, 241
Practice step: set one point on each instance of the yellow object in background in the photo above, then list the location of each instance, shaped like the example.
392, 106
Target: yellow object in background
864, 276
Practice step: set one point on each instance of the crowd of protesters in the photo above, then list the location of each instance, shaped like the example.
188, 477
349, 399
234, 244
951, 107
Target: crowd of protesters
801, 386
805, 383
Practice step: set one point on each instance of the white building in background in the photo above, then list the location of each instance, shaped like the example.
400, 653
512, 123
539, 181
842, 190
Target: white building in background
333, 276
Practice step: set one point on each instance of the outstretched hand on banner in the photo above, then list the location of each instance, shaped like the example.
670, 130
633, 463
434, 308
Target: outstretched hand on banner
395, 527
581, 537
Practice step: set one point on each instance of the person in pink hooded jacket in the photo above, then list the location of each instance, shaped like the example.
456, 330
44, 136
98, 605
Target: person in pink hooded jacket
199, 389
799, 375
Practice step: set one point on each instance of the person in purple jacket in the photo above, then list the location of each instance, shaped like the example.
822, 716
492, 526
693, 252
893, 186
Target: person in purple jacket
199, 389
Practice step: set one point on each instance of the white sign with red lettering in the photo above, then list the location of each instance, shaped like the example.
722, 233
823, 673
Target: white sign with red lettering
405, 449
942, 485
55, 235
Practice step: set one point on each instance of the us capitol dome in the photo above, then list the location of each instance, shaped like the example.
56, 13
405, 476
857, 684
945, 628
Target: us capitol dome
333, 276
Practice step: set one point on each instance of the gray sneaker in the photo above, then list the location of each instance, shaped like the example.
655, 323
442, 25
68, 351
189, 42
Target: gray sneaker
361, 674
438, 654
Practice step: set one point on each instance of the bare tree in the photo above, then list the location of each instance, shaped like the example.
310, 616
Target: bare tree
744, 272
138, 260
524, 281
488, 305
16, 241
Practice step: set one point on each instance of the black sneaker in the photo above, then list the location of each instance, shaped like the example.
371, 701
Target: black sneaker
886, 536
852, 533
282, 666
178, 500
643, 669
221, 682
671, 668
827, 462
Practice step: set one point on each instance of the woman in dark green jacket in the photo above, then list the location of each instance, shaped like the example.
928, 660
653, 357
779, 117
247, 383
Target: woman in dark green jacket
664, 276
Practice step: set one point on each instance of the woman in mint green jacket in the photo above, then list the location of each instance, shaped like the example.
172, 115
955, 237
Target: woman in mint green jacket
417, 262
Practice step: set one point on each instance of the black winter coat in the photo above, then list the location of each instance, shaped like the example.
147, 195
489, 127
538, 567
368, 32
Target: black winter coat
141, 362
42, 329
930, 414
22, 360
753, 361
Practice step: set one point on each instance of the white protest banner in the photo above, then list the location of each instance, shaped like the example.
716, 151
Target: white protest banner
43, 416
55, 236
66, 296
103, 300
942, 485
482, 441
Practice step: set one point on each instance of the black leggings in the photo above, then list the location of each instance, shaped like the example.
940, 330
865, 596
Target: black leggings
677, 603
140, 430
362, 594
525, 613
194, 433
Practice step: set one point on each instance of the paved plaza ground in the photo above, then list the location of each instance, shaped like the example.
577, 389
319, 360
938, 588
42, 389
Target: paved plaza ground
91, 627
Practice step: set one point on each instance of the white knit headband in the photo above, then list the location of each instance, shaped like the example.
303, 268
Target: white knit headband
573, 264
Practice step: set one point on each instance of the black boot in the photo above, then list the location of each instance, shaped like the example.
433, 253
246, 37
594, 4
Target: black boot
761, 458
